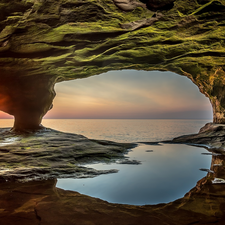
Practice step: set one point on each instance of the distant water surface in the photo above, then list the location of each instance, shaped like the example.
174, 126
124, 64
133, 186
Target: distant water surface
123, 130
128, 130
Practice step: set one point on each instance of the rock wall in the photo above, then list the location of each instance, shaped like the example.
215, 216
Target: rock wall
47, 41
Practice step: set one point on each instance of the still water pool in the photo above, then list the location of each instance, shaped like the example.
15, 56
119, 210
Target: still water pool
165, 174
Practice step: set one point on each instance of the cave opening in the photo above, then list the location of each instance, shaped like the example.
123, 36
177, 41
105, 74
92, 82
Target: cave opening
135, 106
139, 95
127, 95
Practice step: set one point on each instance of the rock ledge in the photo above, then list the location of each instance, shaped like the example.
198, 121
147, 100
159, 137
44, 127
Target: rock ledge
53, 154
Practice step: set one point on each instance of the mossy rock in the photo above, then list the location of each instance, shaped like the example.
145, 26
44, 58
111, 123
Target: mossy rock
65, 40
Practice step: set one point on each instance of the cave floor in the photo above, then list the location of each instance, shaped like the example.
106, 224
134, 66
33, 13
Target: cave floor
30, 164
40, 202
53, 154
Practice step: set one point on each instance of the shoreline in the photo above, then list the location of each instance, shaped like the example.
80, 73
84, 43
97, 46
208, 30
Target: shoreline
211, 137
48, 153
41, 202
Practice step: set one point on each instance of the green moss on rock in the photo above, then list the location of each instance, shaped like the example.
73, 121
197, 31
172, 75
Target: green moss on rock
67, 39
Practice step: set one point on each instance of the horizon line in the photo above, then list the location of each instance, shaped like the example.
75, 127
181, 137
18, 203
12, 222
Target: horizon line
118, 118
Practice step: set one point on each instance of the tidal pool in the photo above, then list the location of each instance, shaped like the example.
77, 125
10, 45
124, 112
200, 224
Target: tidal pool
167, 172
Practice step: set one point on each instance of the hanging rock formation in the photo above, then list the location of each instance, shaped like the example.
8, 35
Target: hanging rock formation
44, 42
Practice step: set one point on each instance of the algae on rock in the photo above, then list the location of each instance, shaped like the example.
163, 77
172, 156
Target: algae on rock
44, 42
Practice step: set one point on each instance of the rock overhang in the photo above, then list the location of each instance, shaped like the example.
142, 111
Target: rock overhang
44, 42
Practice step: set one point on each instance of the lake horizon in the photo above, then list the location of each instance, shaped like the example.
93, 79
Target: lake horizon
115, 129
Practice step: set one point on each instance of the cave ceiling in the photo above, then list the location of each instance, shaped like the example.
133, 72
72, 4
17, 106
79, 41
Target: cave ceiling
47, 41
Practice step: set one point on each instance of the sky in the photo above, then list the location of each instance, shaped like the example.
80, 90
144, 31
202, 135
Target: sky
130, 94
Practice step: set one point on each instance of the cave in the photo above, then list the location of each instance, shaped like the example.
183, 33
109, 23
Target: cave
45, 43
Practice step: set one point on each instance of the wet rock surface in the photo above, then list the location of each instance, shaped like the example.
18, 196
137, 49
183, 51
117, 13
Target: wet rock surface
50, 154
211, 136
128, 161
149, 150
53, 154
40, 202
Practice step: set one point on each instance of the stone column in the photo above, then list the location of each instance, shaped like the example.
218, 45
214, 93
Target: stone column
27, 98
218, 111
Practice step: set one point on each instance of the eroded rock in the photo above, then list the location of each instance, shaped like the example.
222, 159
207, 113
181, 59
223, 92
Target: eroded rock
218, 181
128, 5
160, 4
40, 202
53, 154
211, 136
128, 161
45, 42
142, 23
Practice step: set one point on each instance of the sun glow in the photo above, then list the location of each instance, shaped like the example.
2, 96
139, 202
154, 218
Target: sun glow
4, 101
130, 94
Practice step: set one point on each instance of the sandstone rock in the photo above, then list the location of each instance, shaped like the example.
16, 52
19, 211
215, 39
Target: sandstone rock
52, 154
211, 136
45, 42
42, 203
160, 4
141, 23
218, 181
128, 5
212, 127
128, 161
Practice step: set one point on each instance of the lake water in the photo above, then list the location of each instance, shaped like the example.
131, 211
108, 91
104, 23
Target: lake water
166, 172
120, 130
123, 130
164, 175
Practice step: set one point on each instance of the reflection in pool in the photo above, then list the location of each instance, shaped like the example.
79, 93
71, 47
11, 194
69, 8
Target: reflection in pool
166, 174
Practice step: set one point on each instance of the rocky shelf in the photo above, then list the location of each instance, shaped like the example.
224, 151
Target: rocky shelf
48, 153
52, 154
37, 159
40, 202
211, 136
45, 42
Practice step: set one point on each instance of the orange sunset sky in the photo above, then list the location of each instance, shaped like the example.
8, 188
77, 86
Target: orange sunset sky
129, 94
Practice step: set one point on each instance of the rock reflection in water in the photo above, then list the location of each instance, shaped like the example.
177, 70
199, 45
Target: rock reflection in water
163, 176
40, 202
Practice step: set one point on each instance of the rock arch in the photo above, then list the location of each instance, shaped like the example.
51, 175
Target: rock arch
44, 42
